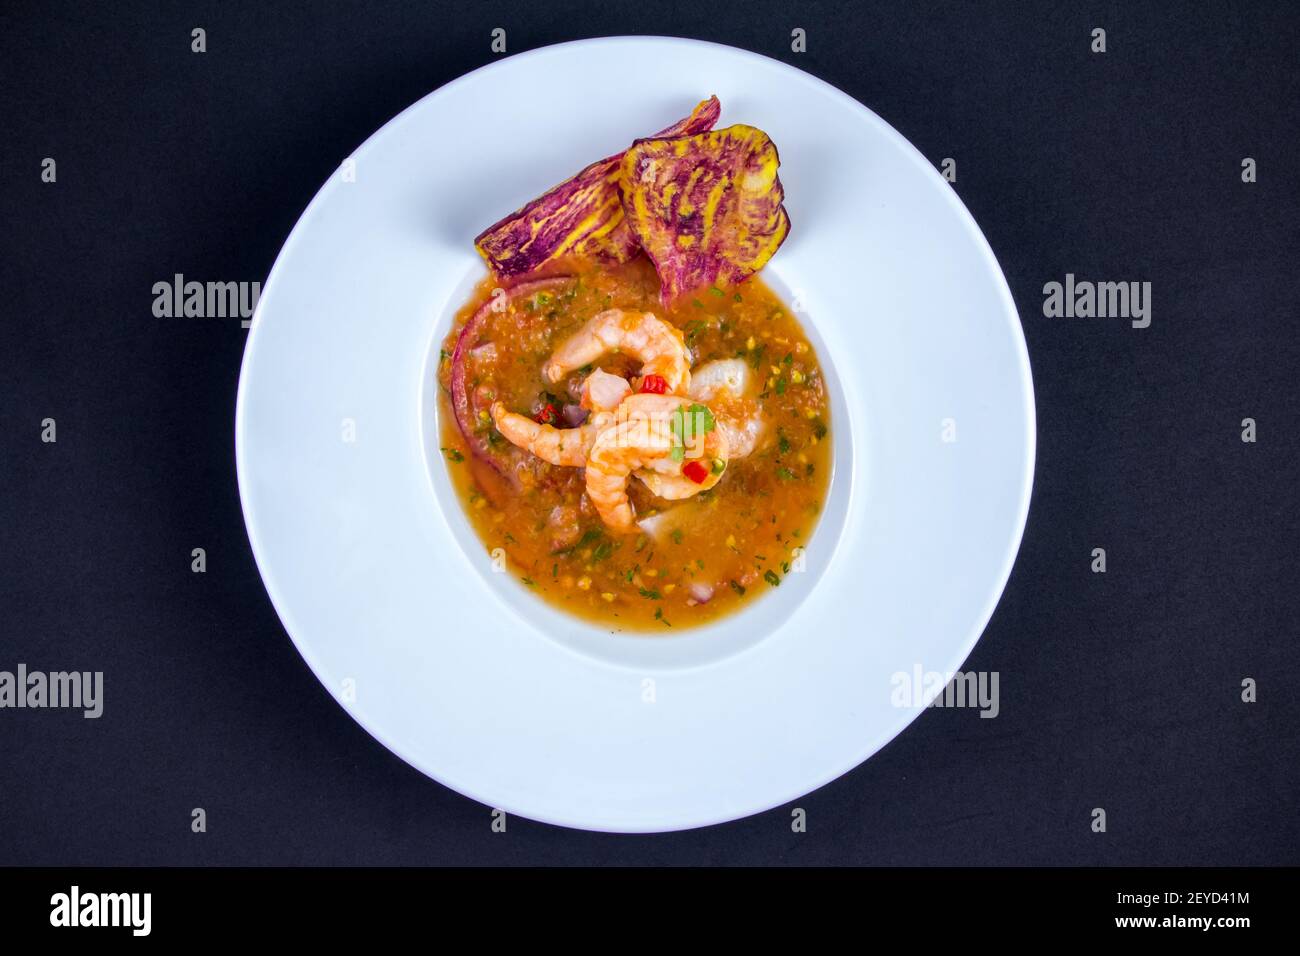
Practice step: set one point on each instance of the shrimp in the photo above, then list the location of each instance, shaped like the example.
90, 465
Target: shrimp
602, 393
644, 445
664, 476
643, 335
727, 385
559, 446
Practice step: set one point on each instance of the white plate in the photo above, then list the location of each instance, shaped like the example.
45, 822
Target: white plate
370, 561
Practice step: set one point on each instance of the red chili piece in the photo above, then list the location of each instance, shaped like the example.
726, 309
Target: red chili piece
697, 471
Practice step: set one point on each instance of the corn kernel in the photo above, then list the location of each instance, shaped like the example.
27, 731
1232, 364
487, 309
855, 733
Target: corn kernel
607, 595
797, 377
584, 583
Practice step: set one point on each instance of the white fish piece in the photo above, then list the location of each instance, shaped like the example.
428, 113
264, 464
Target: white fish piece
604, 392
659, 526
730, 375
729, 383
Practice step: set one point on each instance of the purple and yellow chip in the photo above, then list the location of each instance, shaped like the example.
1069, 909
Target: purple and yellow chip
706, 208
583, 216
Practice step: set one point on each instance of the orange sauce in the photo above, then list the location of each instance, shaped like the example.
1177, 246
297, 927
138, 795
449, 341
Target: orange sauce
696, 559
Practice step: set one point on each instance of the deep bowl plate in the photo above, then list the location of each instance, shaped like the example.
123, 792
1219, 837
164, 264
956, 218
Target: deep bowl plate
391, 599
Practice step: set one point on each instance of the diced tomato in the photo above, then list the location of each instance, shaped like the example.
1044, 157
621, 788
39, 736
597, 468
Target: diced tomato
547, 415
654, 384
696, 470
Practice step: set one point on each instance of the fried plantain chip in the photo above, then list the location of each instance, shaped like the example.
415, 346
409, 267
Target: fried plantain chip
583, 216
706, 208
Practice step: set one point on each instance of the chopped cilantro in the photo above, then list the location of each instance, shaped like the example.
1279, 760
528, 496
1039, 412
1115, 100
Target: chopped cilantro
590, 536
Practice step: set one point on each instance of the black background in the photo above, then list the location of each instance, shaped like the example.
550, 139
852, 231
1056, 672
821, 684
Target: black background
1118, 690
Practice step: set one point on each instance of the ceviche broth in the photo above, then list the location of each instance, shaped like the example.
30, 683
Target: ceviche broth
684, 562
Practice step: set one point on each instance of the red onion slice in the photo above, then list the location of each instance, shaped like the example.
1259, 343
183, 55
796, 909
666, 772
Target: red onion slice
573, 415
701, 592
468, 338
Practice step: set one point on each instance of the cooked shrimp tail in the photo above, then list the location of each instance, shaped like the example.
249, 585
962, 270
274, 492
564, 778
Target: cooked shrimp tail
559, 446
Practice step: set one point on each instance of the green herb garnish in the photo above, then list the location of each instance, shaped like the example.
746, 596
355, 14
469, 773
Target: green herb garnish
590, 536
702, 423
